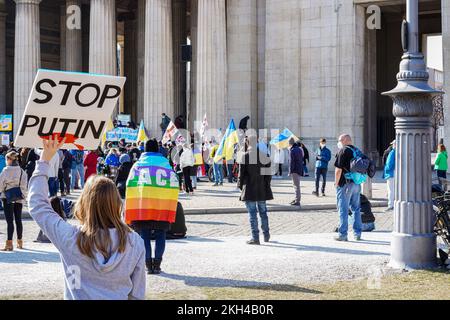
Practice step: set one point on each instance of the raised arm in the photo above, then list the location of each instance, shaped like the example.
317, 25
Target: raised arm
55, 228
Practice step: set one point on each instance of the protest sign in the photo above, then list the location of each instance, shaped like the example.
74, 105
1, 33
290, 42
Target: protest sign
130, 135
5, 139
73, 105
6, 122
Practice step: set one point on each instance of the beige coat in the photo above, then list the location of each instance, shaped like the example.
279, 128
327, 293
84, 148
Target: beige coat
9, 178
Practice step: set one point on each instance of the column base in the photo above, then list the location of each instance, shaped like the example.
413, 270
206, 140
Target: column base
413, 251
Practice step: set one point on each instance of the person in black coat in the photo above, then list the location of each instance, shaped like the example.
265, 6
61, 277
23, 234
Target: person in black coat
243, 123
123, 173
254, 182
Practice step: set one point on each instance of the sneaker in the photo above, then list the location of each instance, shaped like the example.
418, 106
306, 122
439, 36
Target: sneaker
266, 237
221, 184
340, 238
253, 242
315, 193
215, 184
357, 237
389, 209
323, 194
295, 204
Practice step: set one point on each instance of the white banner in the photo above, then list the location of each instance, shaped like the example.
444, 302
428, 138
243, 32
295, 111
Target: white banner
76, 106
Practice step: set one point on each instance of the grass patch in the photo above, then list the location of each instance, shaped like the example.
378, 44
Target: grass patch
417, 285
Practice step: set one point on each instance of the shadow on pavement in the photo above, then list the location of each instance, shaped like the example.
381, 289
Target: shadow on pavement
195, 239
212, 223
277, 244
225, 283
29, 256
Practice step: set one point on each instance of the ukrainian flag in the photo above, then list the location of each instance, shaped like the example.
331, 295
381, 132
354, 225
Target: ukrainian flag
226, 147
282, 140
142, 136
109, 127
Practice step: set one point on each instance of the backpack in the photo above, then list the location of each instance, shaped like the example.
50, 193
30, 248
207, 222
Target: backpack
362, 164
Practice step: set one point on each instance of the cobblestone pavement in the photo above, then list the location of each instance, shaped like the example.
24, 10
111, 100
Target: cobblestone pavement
227, 196
226, 225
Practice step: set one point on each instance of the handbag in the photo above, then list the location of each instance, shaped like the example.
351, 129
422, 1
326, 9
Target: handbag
14, 194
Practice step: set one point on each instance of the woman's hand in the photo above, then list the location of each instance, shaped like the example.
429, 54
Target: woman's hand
50, 148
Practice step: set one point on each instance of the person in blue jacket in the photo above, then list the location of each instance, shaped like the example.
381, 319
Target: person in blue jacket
388, 175
323, 157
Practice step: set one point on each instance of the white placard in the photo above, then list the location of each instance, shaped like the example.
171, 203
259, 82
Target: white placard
5, 140
73, 105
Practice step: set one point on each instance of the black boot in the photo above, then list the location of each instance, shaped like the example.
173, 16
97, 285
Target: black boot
157, 266
149, 265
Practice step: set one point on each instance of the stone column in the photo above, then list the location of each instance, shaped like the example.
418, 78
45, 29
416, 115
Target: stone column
62, 38
446, 52
192, 113
27, 54
212, 63
2, 62
140, 59
158, 74
131, 69
102, 38
413, 240
242, 49
179, 67
74, 49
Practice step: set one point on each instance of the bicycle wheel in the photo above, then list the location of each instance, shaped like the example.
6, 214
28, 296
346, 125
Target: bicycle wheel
442, 228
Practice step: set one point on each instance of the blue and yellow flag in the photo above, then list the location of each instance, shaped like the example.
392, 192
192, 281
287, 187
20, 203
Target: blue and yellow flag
282, 140
142, 136
226, 147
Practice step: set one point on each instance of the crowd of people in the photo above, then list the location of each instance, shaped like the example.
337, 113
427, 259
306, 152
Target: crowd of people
105, 245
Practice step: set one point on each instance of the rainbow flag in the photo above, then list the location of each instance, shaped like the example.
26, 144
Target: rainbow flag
282, 140
152, 190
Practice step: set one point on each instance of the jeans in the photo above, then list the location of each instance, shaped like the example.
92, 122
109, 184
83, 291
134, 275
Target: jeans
253, 207
348, 197
305, 170
160, 243
13, 213
80, 169
230, 172
66, 174
390, 192
52, 186
218, 173
61, 180
187, 179
321, 172
441, 174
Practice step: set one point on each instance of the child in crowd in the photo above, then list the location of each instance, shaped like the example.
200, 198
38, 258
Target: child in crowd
103, 259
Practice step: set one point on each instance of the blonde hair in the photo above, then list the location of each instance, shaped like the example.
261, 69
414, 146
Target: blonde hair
13, 156
98, 209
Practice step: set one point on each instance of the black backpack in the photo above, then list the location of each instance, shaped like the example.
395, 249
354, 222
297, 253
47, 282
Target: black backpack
362, 163
178, 228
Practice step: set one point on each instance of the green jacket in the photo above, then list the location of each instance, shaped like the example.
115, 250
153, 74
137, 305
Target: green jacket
441, 161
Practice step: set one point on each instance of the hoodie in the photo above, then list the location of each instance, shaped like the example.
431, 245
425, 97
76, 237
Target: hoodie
121, 277
441, 162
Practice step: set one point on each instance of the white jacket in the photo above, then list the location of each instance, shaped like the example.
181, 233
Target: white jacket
187, 158
9, 178
54, 164
279, 156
